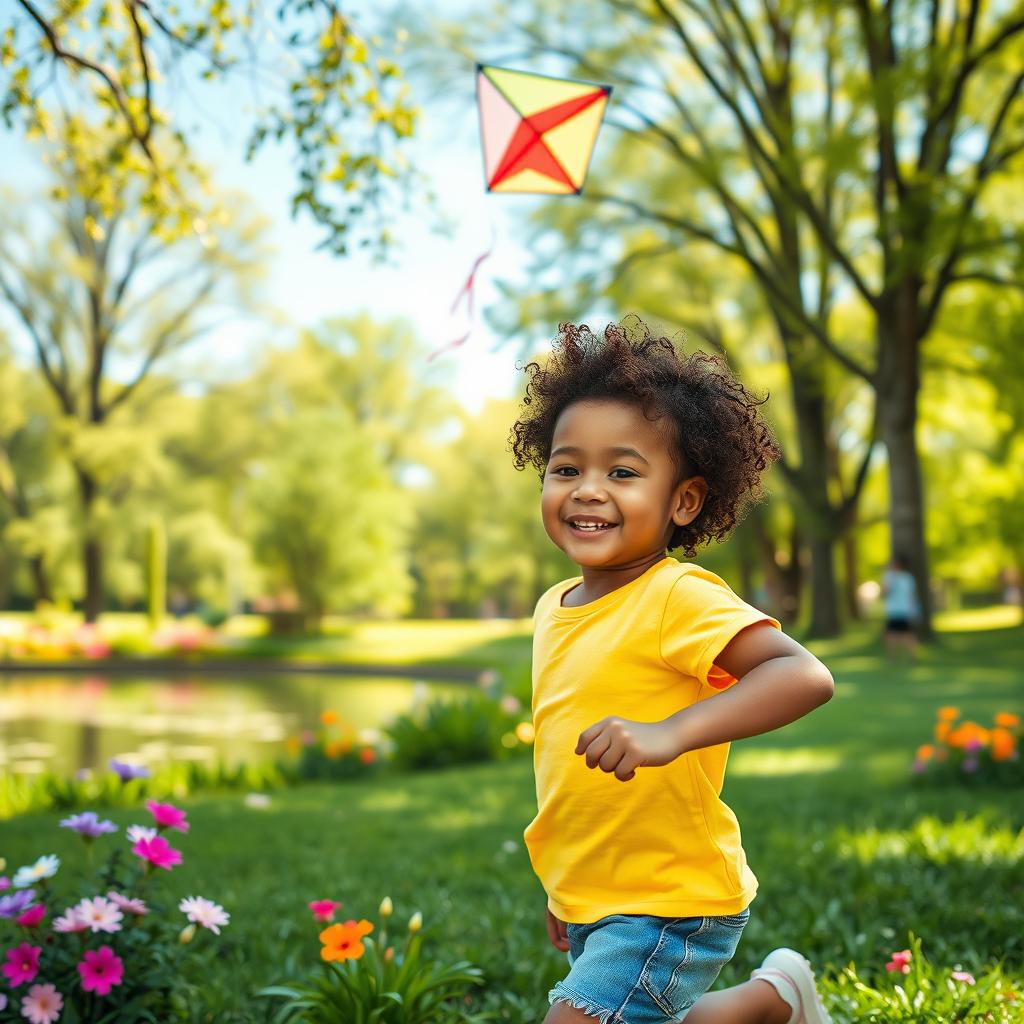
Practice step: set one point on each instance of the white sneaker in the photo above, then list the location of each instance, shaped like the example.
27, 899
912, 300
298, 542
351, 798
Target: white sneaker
791, 976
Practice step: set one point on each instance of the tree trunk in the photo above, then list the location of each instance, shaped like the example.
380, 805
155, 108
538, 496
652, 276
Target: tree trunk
40, 579
92, 548
898, 383
850, 573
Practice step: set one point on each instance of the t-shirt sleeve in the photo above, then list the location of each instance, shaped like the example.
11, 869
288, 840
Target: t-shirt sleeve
701, 616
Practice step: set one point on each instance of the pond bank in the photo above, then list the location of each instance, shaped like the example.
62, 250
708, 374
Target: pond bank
223, 666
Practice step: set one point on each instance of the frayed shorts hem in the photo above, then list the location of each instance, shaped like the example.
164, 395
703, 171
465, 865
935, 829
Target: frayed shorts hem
561, 994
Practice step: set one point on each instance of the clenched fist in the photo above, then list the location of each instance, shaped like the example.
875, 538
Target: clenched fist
621, 746
557, 931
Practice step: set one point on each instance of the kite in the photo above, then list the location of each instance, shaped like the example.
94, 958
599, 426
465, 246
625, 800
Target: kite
538, 134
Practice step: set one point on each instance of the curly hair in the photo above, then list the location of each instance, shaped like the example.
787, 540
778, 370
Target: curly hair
714, 427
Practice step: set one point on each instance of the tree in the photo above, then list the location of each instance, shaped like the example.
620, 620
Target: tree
330, 519
318, 82
873, 133
118, 290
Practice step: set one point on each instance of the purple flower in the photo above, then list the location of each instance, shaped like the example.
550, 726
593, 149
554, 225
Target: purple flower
126, 772
970, 764
16, 902
88, 825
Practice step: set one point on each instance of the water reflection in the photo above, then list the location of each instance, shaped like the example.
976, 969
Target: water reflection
64, 723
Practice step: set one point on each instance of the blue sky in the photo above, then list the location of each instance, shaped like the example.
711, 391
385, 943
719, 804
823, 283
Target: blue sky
428, 269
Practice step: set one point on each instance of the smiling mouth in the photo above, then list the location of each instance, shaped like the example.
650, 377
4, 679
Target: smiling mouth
591, 527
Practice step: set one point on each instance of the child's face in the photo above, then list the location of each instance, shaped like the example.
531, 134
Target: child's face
637, 492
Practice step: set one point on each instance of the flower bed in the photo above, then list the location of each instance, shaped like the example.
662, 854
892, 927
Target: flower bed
965, 751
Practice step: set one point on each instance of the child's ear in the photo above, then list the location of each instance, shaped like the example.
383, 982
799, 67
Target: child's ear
690, 495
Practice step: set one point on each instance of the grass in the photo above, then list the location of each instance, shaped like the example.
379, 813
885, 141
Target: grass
850, 855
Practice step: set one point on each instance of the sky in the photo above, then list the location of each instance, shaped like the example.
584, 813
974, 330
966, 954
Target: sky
427, 269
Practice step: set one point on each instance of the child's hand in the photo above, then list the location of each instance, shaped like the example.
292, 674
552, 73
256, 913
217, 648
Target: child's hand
621, 746
557, 931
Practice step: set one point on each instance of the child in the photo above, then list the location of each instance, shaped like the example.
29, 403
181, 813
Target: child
645, 668
901, 608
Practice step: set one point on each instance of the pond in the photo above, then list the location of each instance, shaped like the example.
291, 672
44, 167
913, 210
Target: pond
66, 723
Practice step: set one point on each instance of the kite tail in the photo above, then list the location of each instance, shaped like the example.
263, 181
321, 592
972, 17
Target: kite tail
466, 292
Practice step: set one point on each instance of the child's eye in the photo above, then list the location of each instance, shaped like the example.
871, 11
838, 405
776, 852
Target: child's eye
628, 473
558, 471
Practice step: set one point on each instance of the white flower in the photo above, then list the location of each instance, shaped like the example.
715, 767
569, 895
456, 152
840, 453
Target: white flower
205, 912
100, 914
137, 832
45, 867
257, 801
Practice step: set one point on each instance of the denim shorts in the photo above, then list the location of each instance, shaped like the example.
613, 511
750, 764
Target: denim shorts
635, 969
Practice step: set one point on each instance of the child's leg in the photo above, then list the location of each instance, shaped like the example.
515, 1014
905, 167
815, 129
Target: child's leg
754, 1002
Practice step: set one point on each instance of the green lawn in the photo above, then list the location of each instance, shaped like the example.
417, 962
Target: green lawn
850, 855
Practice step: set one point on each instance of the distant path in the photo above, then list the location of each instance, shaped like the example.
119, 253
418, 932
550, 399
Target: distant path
225, 667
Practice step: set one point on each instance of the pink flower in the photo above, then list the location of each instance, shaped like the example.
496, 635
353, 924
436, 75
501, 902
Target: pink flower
963, 976
5, 882
900, 962
101, 969
323, 910
99, 914
158, 852
42, 1005
70, 921
31, 917
167, 816
130, 905
22, 964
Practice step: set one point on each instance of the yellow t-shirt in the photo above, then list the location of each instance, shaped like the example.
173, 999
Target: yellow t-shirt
663, 843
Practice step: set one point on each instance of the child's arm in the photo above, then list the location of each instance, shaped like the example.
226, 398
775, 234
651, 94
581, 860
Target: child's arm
778, 682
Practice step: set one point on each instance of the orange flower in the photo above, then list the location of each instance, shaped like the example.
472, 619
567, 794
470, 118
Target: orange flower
343, 941
332, 749
1004, 743
367, 756
329, 717
925, 752
948, 714
1007, 721
969, 734
942, 731
292, 744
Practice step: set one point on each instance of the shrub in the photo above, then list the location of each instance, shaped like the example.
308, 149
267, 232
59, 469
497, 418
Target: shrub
447, 732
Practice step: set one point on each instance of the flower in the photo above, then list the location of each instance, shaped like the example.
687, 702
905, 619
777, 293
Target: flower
129, 904
158, 852
965, 976
126, 772
100, 914
344, 941
42, 1005
3, 1001
1004, 744
137, 832
386, 907
167, 816
22, 963
900, 962
329, 717
45, 867
416, 922
31, 917
257, 801
188, 933
323, 910
367, 755
1006, 720
88, 825
970, 764
947, 714
101, 969
925, 752
205, 912
70, 922
11, 906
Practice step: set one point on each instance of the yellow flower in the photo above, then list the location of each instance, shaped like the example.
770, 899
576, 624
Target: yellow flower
385, 907
329, 717
188, 933
343, 941
416, 922
948, 714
